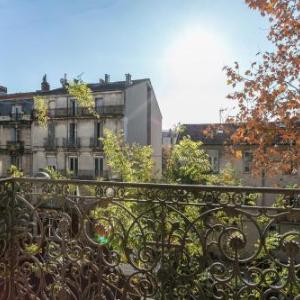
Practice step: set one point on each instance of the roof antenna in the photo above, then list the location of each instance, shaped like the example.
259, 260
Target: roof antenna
221, 114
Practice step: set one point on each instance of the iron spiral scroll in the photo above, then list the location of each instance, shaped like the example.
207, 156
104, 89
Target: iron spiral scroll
71, 239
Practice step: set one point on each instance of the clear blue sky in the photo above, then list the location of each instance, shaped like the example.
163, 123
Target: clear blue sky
180, 45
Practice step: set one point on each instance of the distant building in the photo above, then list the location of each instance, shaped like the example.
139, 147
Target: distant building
71, 140
216, 145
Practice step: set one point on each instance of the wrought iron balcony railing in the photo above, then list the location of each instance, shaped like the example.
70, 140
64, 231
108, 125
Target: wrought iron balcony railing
71, 143
16, 117
96, 143
72, 239
51, 144
108, 110
15, 146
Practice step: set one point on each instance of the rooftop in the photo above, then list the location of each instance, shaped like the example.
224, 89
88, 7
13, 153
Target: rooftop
209, 133
95, 87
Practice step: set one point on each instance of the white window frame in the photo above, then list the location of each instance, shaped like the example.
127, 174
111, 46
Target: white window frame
16, 107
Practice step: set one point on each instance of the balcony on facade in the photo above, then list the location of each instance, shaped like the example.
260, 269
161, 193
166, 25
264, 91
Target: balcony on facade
15, 117
211, 240
15, 146
110, 110
71, 143
50, 144
96, 143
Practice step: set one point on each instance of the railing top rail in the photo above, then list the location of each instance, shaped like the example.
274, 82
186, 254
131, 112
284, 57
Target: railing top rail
211, 188
6, 179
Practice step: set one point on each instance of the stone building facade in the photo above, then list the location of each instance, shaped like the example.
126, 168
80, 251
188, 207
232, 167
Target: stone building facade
216, 145
71, 139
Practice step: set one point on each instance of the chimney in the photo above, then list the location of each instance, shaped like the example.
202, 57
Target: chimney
64, 81
106, 78
128, 80
45, 86
3, 90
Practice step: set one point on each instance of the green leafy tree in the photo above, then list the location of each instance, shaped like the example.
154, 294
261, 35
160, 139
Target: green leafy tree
15, 172
41, 109
132, 163
76, 88
188, 163
83, 94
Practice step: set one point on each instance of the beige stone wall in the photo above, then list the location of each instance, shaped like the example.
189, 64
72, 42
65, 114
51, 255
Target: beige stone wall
248, 179
4, 164
85, 128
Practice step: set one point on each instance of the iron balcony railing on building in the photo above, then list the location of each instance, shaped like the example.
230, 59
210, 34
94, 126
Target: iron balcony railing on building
72, 239
51, 144
96, 143
15, 146
110, 110
16, 116
71, 142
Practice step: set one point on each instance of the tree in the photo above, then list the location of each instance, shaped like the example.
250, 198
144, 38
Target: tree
76, 88
133, 163
268, 92
188, 163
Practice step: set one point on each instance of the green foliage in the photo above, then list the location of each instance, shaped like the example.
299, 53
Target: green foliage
41, 110
133, 163
188, 163
33, 249
227, 176
15, 172
83, 94
54, 174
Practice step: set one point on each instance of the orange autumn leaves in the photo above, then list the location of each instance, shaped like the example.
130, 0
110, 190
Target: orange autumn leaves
268, 93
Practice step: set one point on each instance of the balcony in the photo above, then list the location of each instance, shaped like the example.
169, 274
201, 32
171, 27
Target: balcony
71, 143
111, 110
96, 144
110, 240
15, 117
50, 144
15, 146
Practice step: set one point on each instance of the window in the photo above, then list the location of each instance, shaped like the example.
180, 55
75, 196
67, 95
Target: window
213, 161
51, 162
16, 111
72, 133
98, 133
15, 134
99, 102
213, 158
73, 107
99, 130
247, 160
98, 166
16, 161
73, 165
51, 131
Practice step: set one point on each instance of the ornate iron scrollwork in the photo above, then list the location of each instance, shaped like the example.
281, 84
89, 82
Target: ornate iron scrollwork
103, 240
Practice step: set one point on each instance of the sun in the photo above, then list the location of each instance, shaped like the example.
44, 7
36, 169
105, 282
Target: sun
192, 74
